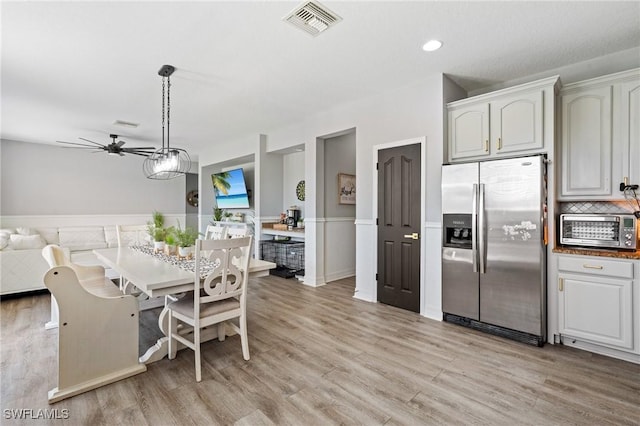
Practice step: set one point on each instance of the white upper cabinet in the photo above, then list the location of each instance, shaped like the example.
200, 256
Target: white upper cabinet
516, 123
586, 142
630, 130
600, 142
504, 123
469, 131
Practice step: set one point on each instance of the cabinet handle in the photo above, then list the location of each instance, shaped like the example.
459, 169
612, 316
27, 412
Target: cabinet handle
587, 266
486, 145
560, 284
499, 143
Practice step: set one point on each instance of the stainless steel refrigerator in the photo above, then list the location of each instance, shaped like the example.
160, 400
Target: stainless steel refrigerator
493, 247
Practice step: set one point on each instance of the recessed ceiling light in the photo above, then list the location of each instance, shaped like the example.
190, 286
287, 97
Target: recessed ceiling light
432, 45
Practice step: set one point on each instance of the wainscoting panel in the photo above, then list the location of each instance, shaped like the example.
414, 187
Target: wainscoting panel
366, 261
49, 221
432, 279
340, 248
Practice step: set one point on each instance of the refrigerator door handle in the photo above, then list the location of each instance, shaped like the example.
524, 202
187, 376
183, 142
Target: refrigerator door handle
481, 230
474, 228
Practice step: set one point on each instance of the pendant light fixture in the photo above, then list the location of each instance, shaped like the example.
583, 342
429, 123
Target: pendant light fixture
167, 162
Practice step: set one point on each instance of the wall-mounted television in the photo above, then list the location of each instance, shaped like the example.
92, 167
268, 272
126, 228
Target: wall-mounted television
230, 189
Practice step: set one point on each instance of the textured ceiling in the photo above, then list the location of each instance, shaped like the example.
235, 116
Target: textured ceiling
70, 69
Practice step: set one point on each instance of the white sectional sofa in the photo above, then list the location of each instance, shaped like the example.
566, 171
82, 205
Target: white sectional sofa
22, 266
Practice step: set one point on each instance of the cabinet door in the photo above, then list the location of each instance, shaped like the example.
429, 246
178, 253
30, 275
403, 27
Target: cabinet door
630, 130
586, 142
596, 309
469, 132
516, 123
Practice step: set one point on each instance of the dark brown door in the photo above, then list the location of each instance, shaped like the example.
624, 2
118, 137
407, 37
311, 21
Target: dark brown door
399, 227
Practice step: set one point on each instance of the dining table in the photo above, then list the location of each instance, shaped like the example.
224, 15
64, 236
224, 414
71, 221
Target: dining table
157, 275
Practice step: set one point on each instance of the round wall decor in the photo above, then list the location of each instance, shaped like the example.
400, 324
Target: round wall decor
192, 198
300, 190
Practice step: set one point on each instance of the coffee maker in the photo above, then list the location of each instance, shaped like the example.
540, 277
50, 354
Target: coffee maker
293, 215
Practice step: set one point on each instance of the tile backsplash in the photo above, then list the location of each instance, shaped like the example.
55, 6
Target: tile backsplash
596, 207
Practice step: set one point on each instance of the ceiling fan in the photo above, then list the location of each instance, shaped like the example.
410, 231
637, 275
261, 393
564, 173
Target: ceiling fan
114, 148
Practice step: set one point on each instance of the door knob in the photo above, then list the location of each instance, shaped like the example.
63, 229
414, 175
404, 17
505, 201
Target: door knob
414, 236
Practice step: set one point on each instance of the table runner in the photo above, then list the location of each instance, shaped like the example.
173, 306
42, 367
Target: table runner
206, 266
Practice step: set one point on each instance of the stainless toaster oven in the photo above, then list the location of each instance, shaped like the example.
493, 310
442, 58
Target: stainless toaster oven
618, 231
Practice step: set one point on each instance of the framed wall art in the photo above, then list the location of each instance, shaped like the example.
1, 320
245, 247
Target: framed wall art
346, 188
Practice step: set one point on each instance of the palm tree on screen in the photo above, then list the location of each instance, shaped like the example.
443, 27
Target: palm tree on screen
220, 182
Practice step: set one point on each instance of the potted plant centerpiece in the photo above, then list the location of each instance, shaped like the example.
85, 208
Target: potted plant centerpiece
237, 217
170, 242
157, 231
158, 235
186, 239
217, 214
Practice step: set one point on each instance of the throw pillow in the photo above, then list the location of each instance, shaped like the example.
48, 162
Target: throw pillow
27, 242
4, 241
24, 231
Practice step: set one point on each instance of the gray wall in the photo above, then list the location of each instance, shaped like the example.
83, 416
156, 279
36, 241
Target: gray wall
191, 184
41, 179
207, 194
339, 157
293, 171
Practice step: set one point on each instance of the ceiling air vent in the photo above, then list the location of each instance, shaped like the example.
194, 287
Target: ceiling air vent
312, 18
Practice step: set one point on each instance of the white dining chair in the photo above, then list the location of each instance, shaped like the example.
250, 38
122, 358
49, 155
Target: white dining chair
131, 234
215, 232
238, 231
223, 296
128, 235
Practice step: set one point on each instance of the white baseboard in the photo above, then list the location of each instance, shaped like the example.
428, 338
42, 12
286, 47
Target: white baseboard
367, 297
313, 282
338, 275
433, 313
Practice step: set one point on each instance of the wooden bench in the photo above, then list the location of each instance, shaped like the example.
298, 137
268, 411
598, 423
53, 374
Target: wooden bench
92, 278
97, 335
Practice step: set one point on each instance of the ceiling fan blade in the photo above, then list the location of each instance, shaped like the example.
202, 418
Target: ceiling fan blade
120, 143
84, 145
149, 150
138, 153
87, 140
78, 147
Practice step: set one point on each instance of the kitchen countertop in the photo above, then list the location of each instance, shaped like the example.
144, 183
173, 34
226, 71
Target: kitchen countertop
597, 252
269, 227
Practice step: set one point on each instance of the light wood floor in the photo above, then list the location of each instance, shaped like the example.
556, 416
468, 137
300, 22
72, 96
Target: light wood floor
320, 357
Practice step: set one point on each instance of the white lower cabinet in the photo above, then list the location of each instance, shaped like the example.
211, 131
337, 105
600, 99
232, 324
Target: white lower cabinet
599, 303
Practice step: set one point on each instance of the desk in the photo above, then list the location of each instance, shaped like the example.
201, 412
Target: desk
158, 278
